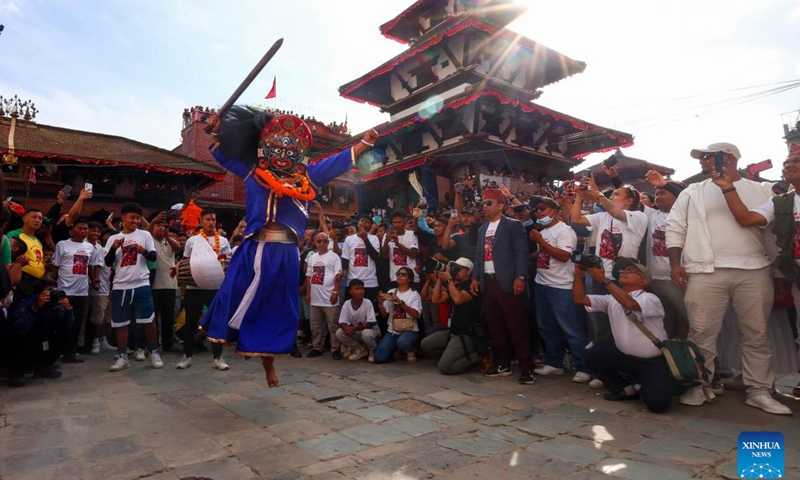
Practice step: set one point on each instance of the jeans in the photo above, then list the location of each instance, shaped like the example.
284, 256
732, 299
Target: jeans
676, 320
557, 314
164, 301
453, 359
607, 363
80, 308
405, 341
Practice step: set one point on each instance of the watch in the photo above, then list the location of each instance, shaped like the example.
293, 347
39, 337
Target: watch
607, 281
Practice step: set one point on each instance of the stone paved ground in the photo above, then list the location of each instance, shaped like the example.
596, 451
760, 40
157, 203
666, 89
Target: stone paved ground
353, 420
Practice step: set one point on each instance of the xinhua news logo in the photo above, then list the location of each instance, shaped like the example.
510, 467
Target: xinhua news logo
760, 455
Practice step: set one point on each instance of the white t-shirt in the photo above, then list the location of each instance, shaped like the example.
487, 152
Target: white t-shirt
488, 247
616, 238
411, 298
131, 268
322, 269
767, 210
734, 246
361, 265
165, 261
355, 318
627, 336
399, 259
72, 260
99, 260
657, 259
191, 243
552, 272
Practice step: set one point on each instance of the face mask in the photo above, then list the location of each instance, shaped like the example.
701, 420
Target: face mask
544, 221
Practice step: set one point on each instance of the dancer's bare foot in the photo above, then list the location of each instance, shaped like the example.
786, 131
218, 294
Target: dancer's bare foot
269, 369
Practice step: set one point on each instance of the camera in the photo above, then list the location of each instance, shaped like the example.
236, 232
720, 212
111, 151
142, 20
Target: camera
431, 265
586, 260
57, 295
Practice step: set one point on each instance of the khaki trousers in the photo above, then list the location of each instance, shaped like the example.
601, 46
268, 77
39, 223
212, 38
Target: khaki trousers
751, 293
320, 316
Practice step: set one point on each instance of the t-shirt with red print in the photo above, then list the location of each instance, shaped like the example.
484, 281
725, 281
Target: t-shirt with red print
550, 271
130, 268
399, 259
361, 266
616, 238
72, 260
488, 247
657, 260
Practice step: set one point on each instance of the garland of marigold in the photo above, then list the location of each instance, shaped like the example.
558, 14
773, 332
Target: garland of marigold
302, 192
217, 246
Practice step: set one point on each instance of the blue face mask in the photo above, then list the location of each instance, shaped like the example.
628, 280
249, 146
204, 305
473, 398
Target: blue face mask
544, 221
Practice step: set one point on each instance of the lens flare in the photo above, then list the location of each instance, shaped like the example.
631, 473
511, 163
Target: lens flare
431, 107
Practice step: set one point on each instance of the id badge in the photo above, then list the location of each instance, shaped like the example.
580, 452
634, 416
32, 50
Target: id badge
45, 346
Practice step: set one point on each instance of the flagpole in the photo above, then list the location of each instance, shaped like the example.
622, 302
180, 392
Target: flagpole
28, 188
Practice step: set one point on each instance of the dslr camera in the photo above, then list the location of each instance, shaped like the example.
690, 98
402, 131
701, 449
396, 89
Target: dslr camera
57, 295
431, 265
586, 260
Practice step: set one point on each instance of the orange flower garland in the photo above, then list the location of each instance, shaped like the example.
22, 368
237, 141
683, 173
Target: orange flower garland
302, 192
217, 246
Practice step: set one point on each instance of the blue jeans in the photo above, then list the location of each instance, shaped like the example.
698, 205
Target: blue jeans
406, 341
557, 314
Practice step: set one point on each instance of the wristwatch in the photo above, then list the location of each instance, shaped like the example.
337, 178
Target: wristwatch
607, 281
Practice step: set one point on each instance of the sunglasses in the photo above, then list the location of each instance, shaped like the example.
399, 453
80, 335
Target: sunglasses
630, 270
707, 156
542, 209
402, 274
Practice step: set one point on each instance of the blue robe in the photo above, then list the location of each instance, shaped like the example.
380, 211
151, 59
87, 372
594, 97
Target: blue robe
259, 295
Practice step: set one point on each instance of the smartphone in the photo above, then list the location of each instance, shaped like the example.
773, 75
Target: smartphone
87, 186
454, 213
9, 199
610, 161
67, 189
718, 162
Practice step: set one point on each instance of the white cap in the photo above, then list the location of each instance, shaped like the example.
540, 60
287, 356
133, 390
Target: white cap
716, 147
464, 263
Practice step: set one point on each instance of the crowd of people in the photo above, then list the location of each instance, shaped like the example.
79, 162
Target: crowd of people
548, 285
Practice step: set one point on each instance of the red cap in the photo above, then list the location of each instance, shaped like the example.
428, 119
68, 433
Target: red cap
494, 194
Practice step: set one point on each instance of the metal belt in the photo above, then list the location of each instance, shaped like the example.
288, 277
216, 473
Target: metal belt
274, 236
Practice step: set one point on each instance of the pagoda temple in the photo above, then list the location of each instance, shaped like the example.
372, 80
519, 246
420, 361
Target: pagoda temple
461, 101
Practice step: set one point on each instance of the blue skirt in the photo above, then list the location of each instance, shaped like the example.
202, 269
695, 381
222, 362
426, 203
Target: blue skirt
257, 308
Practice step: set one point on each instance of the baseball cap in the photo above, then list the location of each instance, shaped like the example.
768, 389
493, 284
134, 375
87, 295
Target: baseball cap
546, 200
625, 262
716, 147
463, 263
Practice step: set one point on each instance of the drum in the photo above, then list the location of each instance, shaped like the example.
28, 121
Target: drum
185, 273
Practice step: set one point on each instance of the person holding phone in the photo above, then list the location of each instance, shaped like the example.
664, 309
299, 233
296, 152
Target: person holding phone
725, 262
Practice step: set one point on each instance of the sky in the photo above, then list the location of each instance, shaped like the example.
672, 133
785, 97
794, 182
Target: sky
677, 75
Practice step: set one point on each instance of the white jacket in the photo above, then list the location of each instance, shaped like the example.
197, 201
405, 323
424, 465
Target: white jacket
687, 228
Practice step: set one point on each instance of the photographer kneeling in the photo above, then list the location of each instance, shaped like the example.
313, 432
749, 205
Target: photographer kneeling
40, 326
631, 353
456, 345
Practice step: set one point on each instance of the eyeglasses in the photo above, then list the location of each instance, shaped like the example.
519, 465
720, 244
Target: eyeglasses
402, 274
629, 270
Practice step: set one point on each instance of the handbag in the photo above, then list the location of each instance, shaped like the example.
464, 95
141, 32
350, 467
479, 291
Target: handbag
685, 362
401, 324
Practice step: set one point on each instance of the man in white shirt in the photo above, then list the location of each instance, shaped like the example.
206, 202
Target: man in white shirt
358, 328
401, 247
359, 254
99, 289
631, 352
557, 315
322, 292
165, 283
724, 262
132, 298
782, 214
196, 298
71, 257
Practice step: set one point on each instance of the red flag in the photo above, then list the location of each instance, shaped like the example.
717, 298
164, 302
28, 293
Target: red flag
271, 93
32, 176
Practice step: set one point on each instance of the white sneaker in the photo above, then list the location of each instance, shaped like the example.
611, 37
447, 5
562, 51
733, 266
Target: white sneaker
105, 347
220, 364
581, 377
186, 362
597, 384
346, 352
140, 356
359, 354
155, 360
371, 358
120, 363
696, 396
764, 401
548, 370
96, 346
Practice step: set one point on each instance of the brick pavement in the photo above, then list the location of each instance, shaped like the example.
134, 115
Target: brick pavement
353, 420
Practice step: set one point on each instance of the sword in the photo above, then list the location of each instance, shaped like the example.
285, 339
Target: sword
247, 81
